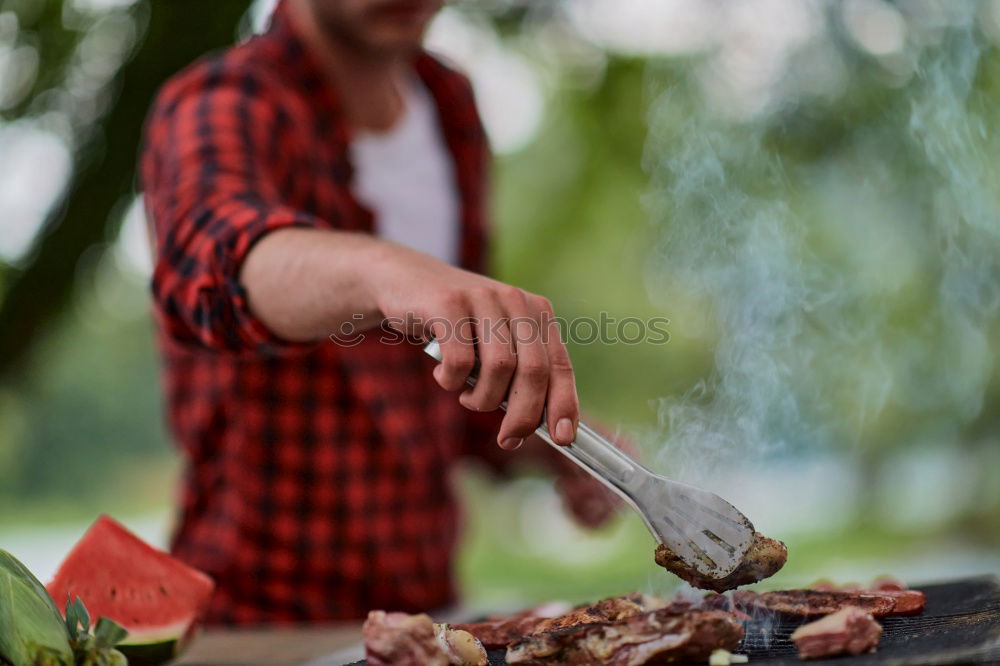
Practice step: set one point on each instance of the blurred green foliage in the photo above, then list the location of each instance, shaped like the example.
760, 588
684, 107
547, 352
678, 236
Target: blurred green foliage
97, 74
80, 409
570, 224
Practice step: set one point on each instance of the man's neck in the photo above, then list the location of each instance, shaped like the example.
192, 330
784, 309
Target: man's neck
370, 85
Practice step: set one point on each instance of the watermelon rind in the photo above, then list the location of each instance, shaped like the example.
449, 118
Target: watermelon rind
156, 646
150, 654
171, 632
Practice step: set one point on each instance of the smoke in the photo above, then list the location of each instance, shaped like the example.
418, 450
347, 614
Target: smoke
843, 240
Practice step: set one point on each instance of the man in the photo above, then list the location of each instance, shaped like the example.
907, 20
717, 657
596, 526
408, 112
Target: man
325, 177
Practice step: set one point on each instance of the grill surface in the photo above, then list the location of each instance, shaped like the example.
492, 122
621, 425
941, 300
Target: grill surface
961, 625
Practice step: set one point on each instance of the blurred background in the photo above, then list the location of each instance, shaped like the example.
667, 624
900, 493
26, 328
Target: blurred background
809, 190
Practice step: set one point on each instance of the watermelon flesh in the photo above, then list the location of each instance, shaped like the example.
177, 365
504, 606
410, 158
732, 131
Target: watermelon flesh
155, 597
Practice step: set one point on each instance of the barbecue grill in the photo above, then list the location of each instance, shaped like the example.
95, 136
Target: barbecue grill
960, 625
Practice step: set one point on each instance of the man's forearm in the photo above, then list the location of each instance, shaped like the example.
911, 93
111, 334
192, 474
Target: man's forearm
304, 284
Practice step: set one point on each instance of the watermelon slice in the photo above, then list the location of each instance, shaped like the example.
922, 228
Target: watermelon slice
157, 598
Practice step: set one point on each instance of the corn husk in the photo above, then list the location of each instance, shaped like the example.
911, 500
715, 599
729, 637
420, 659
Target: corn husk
32, 632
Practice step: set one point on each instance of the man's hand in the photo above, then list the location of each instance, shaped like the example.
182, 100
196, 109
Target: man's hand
521, 354
305, 283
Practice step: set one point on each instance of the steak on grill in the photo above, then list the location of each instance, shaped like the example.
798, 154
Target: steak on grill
761, 561
817, 603
848, 631
654, 637
908, 602
499, 632
606, 610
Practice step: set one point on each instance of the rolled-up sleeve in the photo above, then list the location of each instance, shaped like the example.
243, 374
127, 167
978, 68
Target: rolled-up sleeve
215, 143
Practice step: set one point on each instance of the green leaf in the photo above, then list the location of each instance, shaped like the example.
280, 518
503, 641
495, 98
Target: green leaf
108, 633
10, 563
77, 619
71, 622
97, 648
82, 614
29, 632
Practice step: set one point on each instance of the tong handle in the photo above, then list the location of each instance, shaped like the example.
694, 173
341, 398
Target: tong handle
599, 457
589, 450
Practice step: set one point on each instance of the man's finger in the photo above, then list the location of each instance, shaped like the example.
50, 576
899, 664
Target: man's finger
453, 331
526, 397
496, 356
561, 404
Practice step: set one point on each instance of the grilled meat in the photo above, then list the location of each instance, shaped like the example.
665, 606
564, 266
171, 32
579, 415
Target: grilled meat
761, 561
908, 602
499, 632
883, 598
848, 631
399, 639
811, 603
714, 601
606, 610
655, 637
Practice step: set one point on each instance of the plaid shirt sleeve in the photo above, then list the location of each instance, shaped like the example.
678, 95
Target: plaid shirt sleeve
216, 146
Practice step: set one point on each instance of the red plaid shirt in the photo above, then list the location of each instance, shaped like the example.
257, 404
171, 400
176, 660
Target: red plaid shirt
316, 484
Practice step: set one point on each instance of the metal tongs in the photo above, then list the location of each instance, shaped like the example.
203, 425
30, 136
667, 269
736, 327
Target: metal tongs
705, 531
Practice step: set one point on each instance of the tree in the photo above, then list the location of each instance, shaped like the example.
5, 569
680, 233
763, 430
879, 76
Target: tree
176, 32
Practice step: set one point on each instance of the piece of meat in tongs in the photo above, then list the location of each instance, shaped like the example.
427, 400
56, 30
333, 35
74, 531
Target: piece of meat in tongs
764, 558
704, 533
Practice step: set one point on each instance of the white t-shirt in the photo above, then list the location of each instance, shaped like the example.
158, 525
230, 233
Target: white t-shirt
405, 175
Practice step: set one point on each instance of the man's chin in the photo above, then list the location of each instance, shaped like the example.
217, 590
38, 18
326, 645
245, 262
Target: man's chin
397, 41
